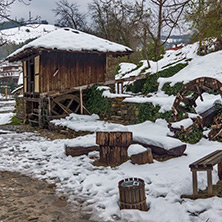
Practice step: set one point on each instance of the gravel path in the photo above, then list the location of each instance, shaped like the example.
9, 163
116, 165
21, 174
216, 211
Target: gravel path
23, 198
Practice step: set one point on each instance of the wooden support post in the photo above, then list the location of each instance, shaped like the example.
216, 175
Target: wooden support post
122, 87
219, 167
209, 182
49, 106
117, 88
195, 185
81, 101
6, 93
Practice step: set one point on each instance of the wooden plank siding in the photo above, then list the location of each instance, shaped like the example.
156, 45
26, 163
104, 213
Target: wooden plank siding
74, 69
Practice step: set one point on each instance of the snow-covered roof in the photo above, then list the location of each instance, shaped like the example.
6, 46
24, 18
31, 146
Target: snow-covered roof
71, 40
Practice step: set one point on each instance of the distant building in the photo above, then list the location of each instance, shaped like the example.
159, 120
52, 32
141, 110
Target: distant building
9, 74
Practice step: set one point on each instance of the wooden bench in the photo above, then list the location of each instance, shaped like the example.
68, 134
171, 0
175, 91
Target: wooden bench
206, 164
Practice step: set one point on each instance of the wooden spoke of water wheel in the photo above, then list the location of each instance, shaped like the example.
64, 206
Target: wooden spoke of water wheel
65, 104
198, 86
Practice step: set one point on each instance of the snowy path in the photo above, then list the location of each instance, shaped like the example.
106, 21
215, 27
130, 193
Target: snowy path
165, 182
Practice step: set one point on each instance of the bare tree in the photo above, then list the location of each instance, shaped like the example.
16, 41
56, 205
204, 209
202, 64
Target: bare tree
165, 17
112, 19
69, 15
5, 14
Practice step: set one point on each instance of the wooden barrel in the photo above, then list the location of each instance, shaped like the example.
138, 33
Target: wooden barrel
132, 194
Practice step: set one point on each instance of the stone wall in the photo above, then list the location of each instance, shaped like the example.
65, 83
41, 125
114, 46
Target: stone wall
123, 112
19, 107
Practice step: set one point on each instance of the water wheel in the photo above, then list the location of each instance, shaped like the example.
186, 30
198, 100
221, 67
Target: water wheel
65, 104
185, 100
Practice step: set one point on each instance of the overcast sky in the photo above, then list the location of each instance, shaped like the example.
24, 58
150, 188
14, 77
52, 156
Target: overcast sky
41, 8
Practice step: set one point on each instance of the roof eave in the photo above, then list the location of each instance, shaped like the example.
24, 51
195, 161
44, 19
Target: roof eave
27, 52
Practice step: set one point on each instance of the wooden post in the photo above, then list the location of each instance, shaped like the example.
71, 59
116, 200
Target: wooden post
209, 181
117, 87
81, 102
6, 93
113, 146
195, 185
49, 107
219, 167
122, 87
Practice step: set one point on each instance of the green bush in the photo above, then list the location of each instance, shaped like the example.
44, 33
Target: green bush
15, 121
117, 69
172, 90
172, 70
96, 103
137, 86
192, 138
147, 111
150, 84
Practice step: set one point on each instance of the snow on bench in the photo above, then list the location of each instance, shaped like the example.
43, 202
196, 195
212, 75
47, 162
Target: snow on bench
148, 134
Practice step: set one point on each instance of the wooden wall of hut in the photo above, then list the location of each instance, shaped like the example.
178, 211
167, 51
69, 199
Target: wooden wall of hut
74, 69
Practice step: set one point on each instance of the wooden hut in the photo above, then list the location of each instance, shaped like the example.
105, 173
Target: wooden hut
57, 65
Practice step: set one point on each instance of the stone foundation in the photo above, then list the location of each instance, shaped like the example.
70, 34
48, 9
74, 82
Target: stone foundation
19, 107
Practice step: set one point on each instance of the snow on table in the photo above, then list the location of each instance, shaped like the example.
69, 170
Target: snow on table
154, 134
147, 132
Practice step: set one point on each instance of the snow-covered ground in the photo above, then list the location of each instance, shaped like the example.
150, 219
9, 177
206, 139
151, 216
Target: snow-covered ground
6, 108
165, 182
200, 66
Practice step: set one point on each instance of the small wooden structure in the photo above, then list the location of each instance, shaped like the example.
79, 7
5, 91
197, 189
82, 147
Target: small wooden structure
113, 147
143, 157
206, 164
57, 67
132, 194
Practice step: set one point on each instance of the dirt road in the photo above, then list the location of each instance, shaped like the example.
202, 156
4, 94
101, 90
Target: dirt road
25, 199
